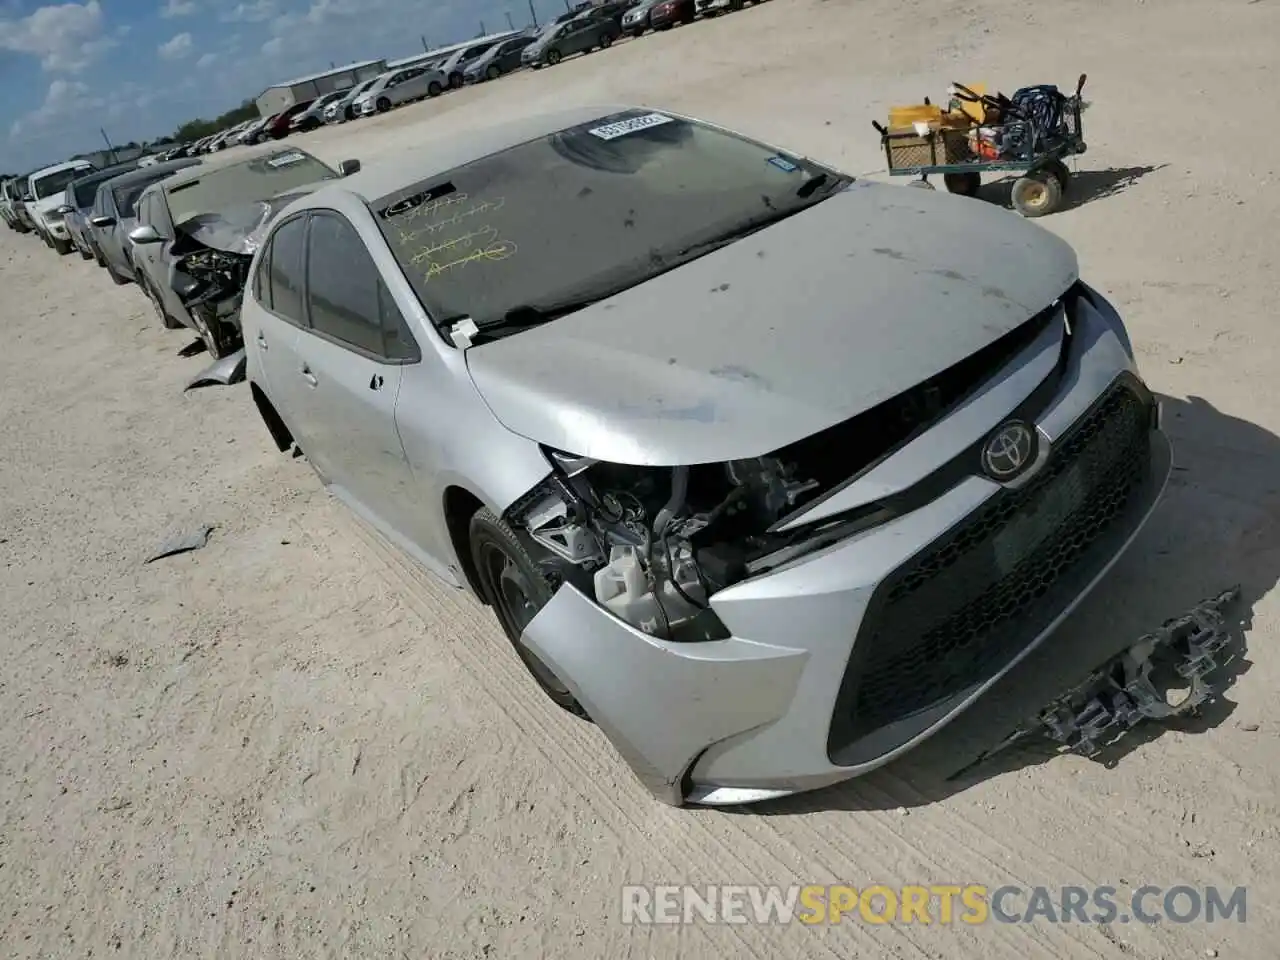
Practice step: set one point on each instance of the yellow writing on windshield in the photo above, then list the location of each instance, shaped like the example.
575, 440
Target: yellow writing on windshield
434, 227
495, 251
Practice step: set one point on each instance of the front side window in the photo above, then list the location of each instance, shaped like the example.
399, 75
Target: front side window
346, 297
586, 213
285, 271
245, 182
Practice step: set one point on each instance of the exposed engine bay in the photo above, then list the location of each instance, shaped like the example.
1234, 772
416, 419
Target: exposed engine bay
653, 544
211, 284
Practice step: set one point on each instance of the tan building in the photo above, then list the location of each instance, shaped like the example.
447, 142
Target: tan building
282, 96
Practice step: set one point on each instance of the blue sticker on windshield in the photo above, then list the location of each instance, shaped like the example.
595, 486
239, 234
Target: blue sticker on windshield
783, 164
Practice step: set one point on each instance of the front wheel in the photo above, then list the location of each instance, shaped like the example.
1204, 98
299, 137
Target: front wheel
63, 247
434, 89
383, 104
220, 339
118, 279
162, 314
493, 72
606, 41
516, 590
553, 57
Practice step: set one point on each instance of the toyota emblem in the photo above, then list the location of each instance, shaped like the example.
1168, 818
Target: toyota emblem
1010, 450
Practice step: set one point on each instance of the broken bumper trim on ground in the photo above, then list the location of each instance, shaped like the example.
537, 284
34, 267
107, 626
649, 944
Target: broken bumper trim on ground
1164, 675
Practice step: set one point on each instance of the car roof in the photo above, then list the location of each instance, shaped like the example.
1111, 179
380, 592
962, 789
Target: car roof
59, 167
144, 174
422, 162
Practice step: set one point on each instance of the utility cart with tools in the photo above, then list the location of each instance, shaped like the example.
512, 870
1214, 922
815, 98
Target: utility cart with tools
1030, 132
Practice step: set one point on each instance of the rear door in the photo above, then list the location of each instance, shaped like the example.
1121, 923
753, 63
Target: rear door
277, 290
353, 352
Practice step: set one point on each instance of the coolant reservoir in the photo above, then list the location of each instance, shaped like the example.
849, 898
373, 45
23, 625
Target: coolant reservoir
622, 587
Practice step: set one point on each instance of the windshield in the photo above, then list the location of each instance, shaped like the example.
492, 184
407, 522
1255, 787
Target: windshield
55, 183
587, 211
245, 182
127, 194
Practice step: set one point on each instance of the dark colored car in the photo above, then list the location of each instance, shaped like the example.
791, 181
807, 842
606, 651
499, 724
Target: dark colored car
498, 59
278, 127
78, 203
667, 13
597, 27
636, 19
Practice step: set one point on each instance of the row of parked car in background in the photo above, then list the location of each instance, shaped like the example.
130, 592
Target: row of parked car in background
187, 256
581, 29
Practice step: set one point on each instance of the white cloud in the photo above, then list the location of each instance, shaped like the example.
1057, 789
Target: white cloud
176, 48
273, 47
255, 11
65, 101
66, 37
178, 8
208, 60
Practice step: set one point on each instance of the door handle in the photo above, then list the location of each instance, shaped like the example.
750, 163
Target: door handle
262, 341
308, 376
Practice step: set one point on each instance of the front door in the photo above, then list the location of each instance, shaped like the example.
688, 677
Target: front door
353, 376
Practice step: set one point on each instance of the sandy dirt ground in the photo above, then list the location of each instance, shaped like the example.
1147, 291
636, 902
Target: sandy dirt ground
295, 744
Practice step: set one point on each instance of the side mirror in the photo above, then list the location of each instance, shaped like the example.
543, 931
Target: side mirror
144, 233
347, 167
103, 221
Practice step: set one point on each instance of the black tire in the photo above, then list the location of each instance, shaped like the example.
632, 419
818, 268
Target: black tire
162, 314
553, 57
516, 590
1037, 194
494, 71
963, 184
383, 105
116, 278
606, 41
86, 254
97, 256
689, 15
434, 89
736, 5
456, 80
62, 247
219, 338
1060, 172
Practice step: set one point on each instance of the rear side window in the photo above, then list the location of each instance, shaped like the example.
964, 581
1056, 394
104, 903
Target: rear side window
343, 285
285, 271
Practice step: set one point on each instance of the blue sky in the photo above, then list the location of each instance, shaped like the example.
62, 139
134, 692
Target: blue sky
138, 68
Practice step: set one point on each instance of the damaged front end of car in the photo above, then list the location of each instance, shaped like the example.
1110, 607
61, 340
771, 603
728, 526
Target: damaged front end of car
653, 544
211, 258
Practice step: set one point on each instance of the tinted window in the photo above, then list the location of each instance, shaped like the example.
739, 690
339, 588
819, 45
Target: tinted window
342, 285
585, 213
286, 271
262, 279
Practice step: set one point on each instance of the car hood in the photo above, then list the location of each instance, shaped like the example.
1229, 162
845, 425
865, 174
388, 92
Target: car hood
241, 228
780, 335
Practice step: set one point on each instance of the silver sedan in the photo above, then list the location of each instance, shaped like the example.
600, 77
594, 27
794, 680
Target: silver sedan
767, 471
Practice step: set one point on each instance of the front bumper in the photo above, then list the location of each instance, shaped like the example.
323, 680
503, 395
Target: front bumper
56, 229
710, 6
849, 656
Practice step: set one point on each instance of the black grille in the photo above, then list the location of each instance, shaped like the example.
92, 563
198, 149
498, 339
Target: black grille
961, 609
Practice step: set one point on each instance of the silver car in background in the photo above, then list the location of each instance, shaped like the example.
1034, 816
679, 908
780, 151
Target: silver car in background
767, 471
396, 87
339, 110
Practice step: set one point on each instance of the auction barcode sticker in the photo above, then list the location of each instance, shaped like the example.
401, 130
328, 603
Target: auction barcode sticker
611, 131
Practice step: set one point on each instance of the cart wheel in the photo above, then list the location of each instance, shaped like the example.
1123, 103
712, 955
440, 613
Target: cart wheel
1060, 172
963, 184
922, 184
1036, 194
